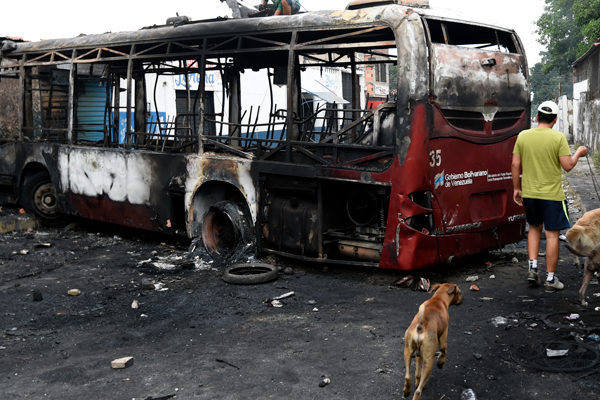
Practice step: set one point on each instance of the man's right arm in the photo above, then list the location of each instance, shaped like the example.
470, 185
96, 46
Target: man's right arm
515, 169
569, 162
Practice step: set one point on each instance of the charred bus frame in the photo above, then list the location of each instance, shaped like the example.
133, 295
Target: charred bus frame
327, 185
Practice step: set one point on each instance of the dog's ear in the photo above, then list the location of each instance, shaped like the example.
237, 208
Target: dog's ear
451, 289
434, 287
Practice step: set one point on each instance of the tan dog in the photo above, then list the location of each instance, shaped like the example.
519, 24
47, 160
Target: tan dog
428, 331
585, 234
583, 240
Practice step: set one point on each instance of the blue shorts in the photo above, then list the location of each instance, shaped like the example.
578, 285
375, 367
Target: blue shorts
553, 214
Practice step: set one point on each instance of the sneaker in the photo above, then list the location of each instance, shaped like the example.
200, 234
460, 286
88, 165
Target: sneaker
562, 238
554, 284
533, 277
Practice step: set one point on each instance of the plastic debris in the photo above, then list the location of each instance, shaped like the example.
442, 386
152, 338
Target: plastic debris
468, 394
594, 337
472, 278
424, 285
276, 303
474, 288
406, 281
572, 317
492, 276
556, 353
499, 321
135, 304
324, 382
284, 296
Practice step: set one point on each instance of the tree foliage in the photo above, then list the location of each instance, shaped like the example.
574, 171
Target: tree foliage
548, 86
567, 28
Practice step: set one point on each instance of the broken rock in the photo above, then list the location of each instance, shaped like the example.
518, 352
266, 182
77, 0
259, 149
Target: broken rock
122, 362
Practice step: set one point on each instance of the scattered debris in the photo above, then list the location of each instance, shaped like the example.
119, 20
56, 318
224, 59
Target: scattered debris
572, 317
284, 296
487, 298
474, 288
492, 276
135, 304
499, 321
74, 292
22, 211
43, 244
315, 309
468, 394
288, 271
424, 285
226, 363
405, 282
556, 353
122, 362
596, 294
515, 260
594, 337
472, 278
275, 303
477, 356
324, 381
143, 315
22, 252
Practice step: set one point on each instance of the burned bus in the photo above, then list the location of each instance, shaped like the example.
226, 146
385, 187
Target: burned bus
251, 155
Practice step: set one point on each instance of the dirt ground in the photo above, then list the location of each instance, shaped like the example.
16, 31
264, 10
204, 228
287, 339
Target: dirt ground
193, 336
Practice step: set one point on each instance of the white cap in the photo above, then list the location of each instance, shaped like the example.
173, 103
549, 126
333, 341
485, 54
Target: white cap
548, 107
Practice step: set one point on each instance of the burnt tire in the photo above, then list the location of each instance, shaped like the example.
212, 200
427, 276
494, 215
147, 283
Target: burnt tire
250, 274
38, 196
227, 230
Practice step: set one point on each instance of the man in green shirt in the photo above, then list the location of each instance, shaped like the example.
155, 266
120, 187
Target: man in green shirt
538, 156
284, 7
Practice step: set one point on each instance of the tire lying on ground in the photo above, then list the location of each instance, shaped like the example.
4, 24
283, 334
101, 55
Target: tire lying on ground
250, 274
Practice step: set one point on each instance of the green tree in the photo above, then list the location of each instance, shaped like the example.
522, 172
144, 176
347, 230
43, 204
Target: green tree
548, 86
587, 16
567, 28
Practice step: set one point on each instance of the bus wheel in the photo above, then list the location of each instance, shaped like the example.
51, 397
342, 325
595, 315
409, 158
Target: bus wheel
38, 195
226, 231
250, 274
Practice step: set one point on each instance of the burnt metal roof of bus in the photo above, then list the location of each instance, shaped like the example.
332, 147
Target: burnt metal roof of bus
216, 27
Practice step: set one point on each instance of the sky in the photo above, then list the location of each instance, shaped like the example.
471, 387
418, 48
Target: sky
36, 19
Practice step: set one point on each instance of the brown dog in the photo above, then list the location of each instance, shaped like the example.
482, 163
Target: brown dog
583, 239
428, 331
